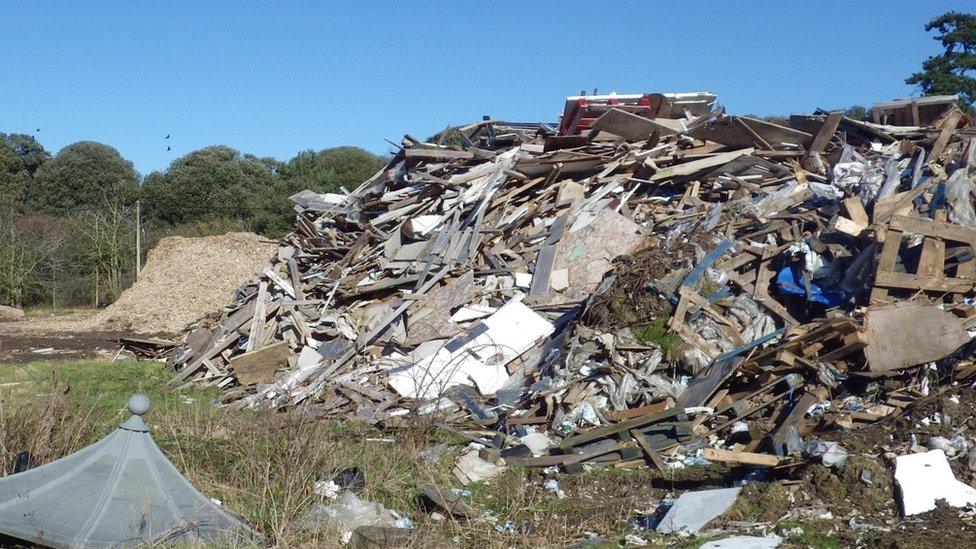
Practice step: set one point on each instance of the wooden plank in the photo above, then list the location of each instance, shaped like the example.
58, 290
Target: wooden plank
776, 134
855, 211
649, 450
613, 429
888, 207
918, 282
792, 419
886, 261
706, 382
258, 366
629, 126
931, 261
760, 143
258, 319
702, 164
631, 413
965, 270
296, 279
948, 128
933, 228
543, 272
280, 282
437, 155
852, 342
811, 160
741, 458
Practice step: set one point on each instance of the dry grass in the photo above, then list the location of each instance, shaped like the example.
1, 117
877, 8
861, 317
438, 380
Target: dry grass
264, 465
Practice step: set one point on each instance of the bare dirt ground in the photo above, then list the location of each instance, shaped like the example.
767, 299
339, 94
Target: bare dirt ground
57, 335
183, 280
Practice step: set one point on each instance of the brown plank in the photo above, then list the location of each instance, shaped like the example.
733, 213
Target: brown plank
930, 227
886, 262
917, 282
741, 458
931, 262
437, 155
812, 161
948, 128
258, 366
649, 450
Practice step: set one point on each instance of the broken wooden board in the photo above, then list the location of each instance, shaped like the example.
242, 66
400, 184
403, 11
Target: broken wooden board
812, 160
259, 366
740, 458
630, 126
699, 165
909, 333
437, 154
742, 131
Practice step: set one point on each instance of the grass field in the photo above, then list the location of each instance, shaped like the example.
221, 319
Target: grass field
263, 465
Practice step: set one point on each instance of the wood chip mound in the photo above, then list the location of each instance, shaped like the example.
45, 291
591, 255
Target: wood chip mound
184, 279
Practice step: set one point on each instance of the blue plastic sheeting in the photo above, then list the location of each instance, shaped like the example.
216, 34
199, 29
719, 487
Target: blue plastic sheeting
706, 262
789, 282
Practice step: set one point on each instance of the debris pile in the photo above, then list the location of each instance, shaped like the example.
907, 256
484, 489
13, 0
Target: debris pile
651, 281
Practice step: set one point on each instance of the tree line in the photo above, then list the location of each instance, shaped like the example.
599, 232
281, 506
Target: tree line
68, 220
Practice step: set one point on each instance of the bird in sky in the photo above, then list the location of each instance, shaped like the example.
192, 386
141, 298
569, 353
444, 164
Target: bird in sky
167, 136
37, 130
169, 148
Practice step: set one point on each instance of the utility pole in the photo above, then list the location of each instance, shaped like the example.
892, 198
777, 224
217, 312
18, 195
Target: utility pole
138, 239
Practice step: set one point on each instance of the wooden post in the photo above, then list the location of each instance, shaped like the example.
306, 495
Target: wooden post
138, 239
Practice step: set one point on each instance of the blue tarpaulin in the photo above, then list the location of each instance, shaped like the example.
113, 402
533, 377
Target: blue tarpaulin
790, 282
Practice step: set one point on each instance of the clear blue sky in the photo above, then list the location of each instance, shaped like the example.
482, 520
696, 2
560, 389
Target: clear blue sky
273, 78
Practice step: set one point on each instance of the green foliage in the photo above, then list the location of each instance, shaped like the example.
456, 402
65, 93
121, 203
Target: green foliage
84, 257
211, 183
20, 156
858, 112
13, 177
26, 248
32, 154
657, 333
220, 183
449, 137
67, 224
329, 170
953, 70
86, 173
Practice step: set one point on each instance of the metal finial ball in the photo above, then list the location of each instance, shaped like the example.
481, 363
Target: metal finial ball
138, 404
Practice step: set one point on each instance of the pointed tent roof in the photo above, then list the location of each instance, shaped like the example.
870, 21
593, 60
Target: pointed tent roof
119, 492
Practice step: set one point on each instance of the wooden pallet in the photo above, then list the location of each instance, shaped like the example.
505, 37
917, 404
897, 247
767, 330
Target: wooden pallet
931, 274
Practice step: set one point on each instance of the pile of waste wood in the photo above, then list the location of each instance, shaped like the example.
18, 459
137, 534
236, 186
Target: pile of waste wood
790, 279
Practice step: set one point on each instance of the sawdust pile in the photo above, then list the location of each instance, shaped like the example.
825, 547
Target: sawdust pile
184, 279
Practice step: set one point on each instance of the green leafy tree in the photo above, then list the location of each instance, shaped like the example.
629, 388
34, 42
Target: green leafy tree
953, 70
858, 112
325, 171
85, 173
31, 153
13, 177
216, 182
329, 170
